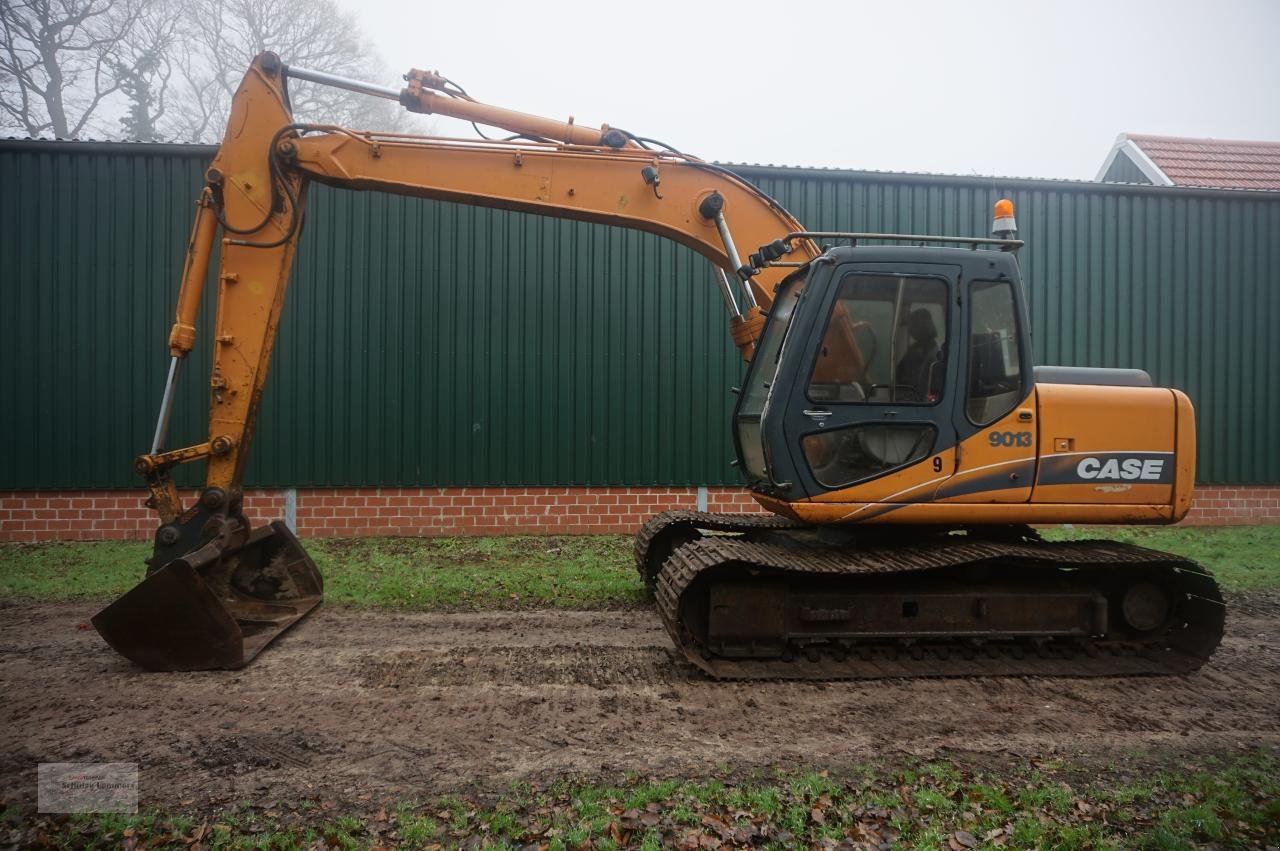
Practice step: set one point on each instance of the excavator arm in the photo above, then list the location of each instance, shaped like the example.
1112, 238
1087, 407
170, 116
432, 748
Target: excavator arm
207, 558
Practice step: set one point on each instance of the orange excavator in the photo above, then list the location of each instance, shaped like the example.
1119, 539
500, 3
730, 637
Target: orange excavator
890, 420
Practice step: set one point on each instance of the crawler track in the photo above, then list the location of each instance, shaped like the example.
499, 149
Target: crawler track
831, 640
662, 533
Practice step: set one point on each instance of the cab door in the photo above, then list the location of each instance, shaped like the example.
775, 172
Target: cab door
995, 410
869, 417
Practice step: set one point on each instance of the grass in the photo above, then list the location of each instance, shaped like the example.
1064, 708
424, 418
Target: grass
1232, 803
94, 570
527, 571
508, 572
433, 573
403, 573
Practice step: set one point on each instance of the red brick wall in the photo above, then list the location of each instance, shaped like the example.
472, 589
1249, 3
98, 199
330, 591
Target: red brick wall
345, 512
1233, 506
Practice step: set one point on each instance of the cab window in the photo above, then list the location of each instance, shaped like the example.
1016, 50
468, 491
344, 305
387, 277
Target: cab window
885, 342
844, 456
760, 377
995, 363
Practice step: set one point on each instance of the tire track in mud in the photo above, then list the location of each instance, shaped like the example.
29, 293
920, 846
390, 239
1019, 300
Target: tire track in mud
557, 664
363, 701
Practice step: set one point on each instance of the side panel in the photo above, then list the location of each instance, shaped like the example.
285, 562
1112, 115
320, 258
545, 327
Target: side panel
998, 463
1185, 463
952, 514
1106, 445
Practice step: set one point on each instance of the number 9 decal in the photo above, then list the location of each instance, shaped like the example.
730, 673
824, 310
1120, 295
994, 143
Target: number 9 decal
937, 464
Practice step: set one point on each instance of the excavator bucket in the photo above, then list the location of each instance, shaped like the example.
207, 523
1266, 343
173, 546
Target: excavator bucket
212, 609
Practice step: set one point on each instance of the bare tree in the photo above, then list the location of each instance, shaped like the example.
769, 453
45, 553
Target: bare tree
61, 60
145, 67
221, 37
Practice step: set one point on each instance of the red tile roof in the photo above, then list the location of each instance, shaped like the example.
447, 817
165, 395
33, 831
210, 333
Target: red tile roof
1218, 163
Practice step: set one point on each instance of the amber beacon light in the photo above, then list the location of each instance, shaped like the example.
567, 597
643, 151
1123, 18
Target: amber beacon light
1002, 221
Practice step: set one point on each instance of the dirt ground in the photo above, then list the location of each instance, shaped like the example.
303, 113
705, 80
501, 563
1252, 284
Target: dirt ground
362, 702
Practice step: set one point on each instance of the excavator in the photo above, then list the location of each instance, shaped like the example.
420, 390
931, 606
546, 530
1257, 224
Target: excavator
890, 421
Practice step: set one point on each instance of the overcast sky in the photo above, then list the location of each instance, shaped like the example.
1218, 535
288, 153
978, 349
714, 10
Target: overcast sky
1014, 88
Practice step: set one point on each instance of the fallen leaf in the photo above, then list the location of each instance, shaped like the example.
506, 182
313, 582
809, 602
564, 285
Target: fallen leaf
817, 816
965, 838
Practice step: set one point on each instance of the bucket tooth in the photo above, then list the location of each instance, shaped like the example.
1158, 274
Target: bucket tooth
189, 616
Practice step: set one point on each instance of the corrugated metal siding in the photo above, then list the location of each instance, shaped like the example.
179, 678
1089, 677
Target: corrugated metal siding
422, 343
90, 250
456, 345
428, 343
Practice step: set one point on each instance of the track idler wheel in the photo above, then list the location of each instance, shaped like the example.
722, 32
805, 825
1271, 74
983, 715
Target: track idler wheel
1145, 607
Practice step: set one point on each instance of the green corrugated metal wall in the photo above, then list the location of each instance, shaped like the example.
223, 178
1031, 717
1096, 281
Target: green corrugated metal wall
428, 343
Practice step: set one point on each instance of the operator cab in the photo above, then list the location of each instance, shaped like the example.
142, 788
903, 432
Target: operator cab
878, 358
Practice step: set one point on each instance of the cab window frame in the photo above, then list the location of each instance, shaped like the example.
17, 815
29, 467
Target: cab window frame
947, 316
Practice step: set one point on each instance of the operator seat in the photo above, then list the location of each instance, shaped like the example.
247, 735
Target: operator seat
917, 366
